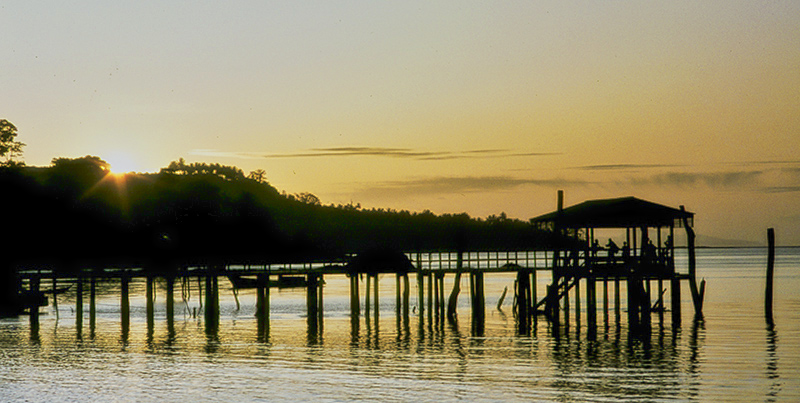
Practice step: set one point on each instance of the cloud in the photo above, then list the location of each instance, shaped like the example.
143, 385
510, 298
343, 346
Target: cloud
782, 189
373, 152
458, 185
711, 179
618, 167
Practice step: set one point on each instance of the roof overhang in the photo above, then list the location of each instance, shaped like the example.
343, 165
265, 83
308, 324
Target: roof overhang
625, 212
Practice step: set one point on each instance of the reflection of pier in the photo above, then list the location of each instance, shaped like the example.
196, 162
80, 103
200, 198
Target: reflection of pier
581, 263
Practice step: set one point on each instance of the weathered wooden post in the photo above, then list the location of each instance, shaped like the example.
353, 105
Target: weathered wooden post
212, 302
591, 303
92, 305
398, 295
420, 288
78, 303
124, 305
523, 305
170, 283
480, 297
633, 304
452, 302
262, 305
605, 301
355, 308
566, 301
406, 295
377, 305
320, 299
150, 296
578, 301
436, 301
534, 294
33, 307
430, 296
770, 272
617, 300
697, 293
675, 299
311, 297
366, 298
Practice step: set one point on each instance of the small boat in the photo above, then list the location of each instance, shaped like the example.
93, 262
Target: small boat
283, 281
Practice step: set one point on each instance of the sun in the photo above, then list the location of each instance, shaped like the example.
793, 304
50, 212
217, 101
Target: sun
121, 162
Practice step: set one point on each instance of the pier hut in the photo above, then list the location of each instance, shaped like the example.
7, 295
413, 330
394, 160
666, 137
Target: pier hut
646, 254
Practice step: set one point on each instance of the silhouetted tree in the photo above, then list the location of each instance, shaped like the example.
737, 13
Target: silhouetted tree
259, 175
9, 147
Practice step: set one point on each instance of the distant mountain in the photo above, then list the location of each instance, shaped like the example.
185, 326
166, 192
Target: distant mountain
710, 241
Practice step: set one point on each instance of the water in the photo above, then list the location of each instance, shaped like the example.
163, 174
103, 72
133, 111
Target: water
729, 356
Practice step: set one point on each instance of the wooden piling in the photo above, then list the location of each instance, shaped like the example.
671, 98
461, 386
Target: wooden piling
770, 272
617, 300
420, 288
633, 305
605, 301
406, 295
377, 303
312, 300
578, 301
366, 298
591, 303
320, 300
697, 294
523, 305
150, 296
170, 283
92, 304
355, 308
566, 302
78, 303
124, 305
452, 302
33, 308
431, 296
480, 297
675, 300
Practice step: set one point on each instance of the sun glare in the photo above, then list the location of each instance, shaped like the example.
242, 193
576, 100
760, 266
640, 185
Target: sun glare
120, 162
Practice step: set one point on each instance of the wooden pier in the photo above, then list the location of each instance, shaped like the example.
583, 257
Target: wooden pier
576, 269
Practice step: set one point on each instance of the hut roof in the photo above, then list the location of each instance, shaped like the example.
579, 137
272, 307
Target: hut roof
624, 212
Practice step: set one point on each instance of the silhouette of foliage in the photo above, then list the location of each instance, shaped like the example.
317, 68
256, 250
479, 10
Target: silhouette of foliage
76, 214
10, 148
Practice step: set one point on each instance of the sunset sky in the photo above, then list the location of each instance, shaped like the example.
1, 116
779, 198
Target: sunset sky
477, 107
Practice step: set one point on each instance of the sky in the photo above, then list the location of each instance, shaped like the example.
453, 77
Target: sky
476, 107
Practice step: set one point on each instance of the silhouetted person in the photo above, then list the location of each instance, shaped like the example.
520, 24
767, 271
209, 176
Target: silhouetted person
626, 252
648, 252
612, 250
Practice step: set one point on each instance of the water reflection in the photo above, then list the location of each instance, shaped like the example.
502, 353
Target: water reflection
772, 363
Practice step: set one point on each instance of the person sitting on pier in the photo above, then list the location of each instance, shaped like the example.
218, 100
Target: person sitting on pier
649, 253
626, 252
612, 250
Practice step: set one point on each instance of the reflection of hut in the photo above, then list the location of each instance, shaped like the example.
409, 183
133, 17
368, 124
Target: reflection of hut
647, 252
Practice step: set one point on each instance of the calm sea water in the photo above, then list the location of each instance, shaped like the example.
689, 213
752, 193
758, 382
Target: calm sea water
730, 355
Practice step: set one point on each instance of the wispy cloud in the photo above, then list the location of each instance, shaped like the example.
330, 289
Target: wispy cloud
711, 179
372, 152
462, 184
623, 167
782, 189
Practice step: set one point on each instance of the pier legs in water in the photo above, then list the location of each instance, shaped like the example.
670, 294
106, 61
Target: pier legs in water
524, 303
125, 307
314, 304
212, 304
78, 305
262, 307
